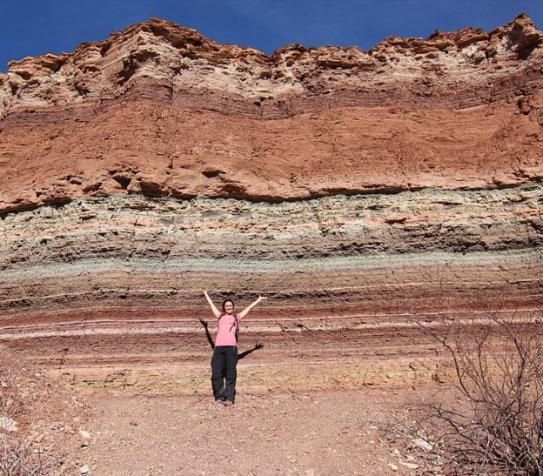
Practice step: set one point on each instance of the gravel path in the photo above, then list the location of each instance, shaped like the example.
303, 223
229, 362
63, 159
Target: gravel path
305, 434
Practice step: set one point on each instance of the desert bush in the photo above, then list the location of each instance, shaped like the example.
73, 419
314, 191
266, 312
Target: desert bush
18, 458
498, 365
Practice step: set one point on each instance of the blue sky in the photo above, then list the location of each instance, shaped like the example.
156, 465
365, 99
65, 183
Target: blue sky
33, 27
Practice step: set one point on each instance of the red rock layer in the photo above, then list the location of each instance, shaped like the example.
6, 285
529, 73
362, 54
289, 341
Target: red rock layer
160, 109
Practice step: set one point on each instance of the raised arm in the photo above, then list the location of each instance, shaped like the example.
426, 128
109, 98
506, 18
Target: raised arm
243, 313
216, 312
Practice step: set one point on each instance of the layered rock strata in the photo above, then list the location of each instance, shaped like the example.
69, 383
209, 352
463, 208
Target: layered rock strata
116, 283
163, 110
362, 192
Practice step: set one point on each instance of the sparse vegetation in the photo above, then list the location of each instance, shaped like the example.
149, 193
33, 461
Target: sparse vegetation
36, 421
18, 458
498, 367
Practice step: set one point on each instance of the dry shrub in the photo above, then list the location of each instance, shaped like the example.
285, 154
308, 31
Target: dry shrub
18, 458
34, 403
499, 371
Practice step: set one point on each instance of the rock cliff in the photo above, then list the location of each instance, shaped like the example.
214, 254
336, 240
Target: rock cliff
356, 189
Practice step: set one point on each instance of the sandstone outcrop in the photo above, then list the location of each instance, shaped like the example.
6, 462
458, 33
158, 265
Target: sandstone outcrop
161, 110
356, 189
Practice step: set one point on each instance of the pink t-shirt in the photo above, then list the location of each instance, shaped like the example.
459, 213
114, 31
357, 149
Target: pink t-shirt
226, 333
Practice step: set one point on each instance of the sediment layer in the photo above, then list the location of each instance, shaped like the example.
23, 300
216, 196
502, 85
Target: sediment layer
106, 291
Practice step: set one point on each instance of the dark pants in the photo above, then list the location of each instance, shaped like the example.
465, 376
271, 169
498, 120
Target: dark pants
223, 372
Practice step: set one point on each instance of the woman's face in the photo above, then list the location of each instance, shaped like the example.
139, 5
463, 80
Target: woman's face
229, 307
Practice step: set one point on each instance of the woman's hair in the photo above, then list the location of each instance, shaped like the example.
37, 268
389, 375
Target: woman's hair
224, 304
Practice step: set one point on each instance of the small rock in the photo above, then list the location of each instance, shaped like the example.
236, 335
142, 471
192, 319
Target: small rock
86, 438
8, 424
84, 469
423, 444
393, 467
409, 465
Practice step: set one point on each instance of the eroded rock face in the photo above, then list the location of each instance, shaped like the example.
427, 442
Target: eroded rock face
356, 189
181, 60
162, 110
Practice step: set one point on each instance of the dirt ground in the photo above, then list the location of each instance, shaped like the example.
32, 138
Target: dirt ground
366, 432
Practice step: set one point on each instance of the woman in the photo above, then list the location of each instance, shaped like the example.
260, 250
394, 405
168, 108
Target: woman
244, 354
224, 360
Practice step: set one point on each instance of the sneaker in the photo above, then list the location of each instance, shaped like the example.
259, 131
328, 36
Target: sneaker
220, 400
228, 403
